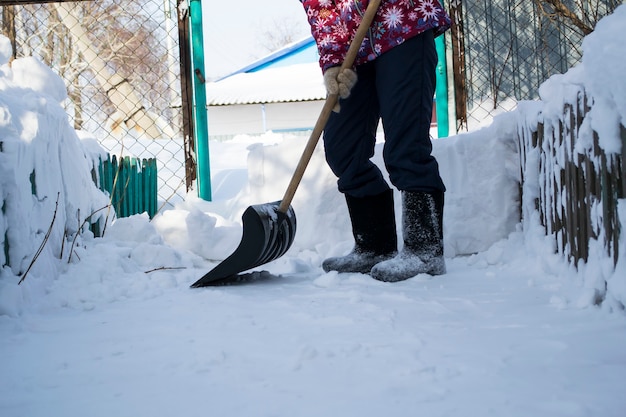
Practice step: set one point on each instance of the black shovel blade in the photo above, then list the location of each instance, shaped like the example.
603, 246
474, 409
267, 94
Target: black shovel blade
267, 235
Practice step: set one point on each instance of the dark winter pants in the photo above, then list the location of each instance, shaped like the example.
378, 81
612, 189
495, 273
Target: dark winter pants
397, 87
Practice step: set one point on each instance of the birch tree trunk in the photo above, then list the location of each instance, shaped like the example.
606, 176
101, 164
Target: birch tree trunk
130, 110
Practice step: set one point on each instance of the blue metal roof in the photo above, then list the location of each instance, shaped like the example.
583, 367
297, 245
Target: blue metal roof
300, 52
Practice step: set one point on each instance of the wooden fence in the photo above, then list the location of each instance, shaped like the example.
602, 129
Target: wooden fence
131, 183
579, 183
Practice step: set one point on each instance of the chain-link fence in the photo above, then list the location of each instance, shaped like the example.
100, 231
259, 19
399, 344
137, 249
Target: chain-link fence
120, 63
502, 50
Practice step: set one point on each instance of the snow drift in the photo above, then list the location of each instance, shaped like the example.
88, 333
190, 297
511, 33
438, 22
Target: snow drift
42, 164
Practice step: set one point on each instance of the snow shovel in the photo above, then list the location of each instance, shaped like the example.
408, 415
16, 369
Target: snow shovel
269, 229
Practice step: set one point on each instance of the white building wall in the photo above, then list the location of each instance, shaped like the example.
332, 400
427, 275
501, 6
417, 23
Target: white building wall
260, 118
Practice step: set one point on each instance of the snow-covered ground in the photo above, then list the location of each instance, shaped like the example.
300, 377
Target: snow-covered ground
510, 330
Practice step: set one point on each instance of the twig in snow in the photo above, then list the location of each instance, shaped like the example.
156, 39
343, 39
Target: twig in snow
164, 268
80, 227
43, 244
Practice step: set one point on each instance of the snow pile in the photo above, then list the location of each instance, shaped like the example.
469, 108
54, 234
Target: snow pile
480, 170
482, 173
43, 171
604, 64
616, 283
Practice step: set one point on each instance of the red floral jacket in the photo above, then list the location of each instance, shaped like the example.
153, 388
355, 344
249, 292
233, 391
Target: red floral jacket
334, 22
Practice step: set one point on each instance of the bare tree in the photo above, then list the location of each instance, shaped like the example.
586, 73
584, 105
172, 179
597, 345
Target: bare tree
130, 109
582, 15
128, 59
125, 40
8, 25
278, 33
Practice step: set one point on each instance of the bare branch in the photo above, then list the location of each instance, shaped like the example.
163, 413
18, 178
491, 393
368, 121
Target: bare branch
164, 268
43, 244
583, 17
81, 226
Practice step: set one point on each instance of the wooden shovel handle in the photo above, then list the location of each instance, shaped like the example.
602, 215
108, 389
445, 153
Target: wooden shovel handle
329, 104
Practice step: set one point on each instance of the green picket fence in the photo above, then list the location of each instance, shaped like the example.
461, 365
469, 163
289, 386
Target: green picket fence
131, 183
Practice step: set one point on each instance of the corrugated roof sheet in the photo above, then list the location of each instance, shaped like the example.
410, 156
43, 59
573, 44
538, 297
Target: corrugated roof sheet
301, 82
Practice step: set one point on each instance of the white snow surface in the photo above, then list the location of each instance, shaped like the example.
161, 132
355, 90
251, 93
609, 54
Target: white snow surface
510, 330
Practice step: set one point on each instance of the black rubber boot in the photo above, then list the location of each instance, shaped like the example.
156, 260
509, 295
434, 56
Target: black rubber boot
422, 226
374, 229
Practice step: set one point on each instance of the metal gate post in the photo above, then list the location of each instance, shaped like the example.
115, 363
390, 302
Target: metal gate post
441, 95
201, 133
